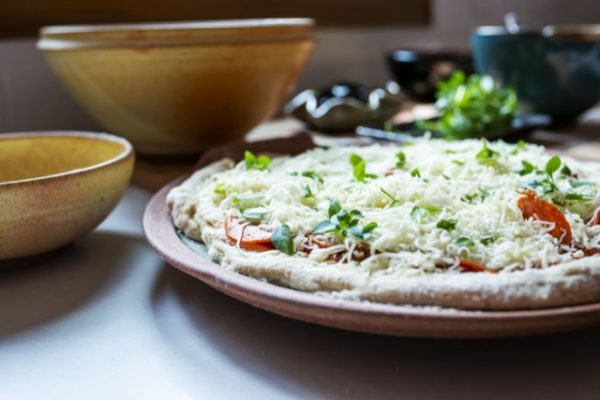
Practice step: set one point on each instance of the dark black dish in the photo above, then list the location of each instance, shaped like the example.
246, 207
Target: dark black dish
418, 72
342, 106
405, 132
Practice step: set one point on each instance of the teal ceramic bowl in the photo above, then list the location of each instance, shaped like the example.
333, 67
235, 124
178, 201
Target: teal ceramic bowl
555, 71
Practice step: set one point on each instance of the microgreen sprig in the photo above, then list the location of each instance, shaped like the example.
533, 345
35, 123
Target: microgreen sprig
418, 213
260, 162
400, 159
447, 224
342, 222
282, 239
391, 197
359, 168
487, 156
311, 175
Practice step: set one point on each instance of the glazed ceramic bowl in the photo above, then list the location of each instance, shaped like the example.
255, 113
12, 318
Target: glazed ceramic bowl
178, 88
555, 71
57, 186
418, 71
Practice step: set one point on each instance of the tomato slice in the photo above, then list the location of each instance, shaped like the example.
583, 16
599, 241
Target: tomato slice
471, 266
533, 207
252, 237
596, 218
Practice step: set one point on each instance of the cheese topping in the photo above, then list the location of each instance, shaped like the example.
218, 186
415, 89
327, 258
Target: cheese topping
433, 203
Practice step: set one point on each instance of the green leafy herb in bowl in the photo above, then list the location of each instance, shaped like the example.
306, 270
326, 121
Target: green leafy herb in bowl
471, 106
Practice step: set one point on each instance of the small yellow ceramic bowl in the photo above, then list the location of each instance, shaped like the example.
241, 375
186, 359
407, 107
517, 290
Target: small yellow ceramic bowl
179, 88
57, 186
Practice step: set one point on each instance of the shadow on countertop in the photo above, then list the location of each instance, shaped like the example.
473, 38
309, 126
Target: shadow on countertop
316, 362
35, 295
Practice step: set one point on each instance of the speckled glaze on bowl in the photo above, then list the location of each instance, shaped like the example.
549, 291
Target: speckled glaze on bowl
179, 88
57, 186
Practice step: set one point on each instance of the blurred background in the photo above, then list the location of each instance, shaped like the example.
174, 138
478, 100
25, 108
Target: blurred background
352, 38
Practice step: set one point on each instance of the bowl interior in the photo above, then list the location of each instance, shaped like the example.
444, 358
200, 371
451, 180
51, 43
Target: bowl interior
33, 156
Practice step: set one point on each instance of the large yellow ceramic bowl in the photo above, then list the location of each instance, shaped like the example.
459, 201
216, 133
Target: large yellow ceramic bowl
57, 186
178, 88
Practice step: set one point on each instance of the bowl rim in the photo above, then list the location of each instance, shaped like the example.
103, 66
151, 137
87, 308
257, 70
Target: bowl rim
501, 30
582, 32
220, 24
125, 154
410, 54
578, 32
177, 33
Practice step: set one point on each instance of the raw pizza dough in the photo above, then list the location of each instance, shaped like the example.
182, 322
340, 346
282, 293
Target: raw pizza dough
413, 258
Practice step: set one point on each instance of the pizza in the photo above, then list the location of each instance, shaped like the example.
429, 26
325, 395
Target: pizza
463, 224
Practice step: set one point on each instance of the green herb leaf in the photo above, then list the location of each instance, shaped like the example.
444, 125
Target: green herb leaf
324, 227
447, 224
469, 198
370, 226
282, 239
565, 170
487, 240
576, 197
312, 175
487, 156
220, 189
464, 242
415, 173
363, 232
334, 207
483, 193
355, 159
400, 159
527, 168
342, 222
471, 106
356, 213
459, 163
580, 183
392, 198
250, 159
359, 171
432, 209
260, 163
418, 213
247, 200
546, 184
306, 192
553, 165
359, 168
256, 214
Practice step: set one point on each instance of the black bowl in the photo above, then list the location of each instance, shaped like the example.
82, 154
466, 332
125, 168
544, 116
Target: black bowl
418, 72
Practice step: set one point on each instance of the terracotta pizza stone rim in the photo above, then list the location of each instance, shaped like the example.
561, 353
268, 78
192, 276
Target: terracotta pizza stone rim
378, 318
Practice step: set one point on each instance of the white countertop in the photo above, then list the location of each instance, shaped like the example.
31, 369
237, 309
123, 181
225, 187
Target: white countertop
107, 319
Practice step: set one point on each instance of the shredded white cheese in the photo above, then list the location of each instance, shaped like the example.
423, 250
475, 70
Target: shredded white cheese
481, 198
